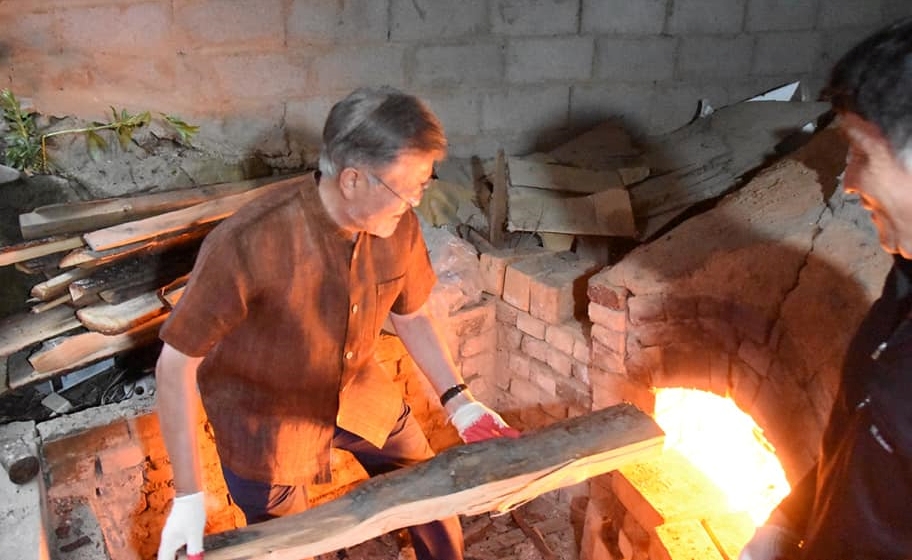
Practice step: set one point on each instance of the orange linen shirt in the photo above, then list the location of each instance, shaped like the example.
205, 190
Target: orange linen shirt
287, 310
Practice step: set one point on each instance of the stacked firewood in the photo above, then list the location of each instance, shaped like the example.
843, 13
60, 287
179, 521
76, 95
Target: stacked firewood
113, 269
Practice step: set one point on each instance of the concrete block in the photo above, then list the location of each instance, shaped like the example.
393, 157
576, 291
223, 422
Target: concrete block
645, 17
276, 75
835, 43
315, 21
896, 9
351, 67
212, 23
426, 21
848, 13
525, 108
34, 31
537, 60
714, 56
789, 52
459, 109
675, 104
137, 29
707, 16
780, 15
602, 100
479, 63
493, 266
525, 17
640, 59
533, 327
607, 317
307, 116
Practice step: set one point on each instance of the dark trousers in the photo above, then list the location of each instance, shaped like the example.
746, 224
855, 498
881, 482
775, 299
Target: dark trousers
406, 445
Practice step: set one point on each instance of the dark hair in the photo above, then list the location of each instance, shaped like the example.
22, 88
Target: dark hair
874, 81
371, 126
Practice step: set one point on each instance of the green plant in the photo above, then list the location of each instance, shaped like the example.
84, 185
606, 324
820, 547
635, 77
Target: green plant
27, 150
22, 144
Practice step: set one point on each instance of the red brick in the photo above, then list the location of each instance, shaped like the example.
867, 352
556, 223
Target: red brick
603, 292
535, 348
531, 326
560, 294
646, 309
493, 266
607, 317
560, 362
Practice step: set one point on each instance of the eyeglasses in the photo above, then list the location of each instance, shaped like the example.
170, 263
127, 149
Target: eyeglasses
413, 202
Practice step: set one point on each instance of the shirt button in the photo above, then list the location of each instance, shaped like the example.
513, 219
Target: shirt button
349, 355
354, 308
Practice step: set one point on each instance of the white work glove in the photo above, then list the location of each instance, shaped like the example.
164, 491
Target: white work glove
476, 422
771, 542
184, 525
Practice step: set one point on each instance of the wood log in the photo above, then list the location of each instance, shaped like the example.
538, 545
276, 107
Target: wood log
74, 217
24, 329
34, 249
19, 457
493, 475
605, 213
170, 222
73, 352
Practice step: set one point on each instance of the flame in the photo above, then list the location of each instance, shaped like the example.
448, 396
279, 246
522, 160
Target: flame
725, 444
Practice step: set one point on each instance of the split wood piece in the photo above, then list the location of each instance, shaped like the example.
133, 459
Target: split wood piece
606, 213
170, 222
73, 352
86, 257
24, 329
156, 270
171, 294
47, 265
497, 204
46, 306
604, 147
60, 284
74, 217
529, 173
493, 475
19, 457
118, 318
36, 248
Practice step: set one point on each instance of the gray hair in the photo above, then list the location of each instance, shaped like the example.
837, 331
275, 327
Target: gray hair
371, 126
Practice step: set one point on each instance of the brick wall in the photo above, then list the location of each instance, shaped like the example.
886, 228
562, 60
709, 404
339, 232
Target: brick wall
259, 75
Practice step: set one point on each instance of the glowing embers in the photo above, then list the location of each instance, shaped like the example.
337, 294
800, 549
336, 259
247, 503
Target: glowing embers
726, 445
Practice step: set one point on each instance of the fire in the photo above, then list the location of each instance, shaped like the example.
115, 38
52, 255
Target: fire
725, 444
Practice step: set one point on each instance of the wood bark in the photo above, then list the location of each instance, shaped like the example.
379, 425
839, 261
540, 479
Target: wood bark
493, 475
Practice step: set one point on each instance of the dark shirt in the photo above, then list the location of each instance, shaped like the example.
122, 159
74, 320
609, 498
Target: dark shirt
286, 308
862, 492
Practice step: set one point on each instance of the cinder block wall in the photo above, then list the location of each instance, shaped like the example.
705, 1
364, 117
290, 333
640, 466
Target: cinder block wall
260, 75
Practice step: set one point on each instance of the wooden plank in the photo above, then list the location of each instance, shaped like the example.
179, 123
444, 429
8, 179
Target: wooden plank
529, 173
24, 329
171, 222
606, 146
115, 319
74, 217
605, 213
76, 351
58, 285
86, 257
156, 269
493, 475
34, 249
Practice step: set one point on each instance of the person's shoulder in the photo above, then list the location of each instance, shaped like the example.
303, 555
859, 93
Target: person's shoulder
276, 203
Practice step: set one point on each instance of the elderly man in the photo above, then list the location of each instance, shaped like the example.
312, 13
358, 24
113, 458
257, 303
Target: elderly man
855, 505
280, 319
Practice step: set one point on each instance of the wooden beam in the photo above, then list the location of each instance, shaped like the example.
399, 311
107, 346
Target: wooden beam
497, 204
74, 217
170, 222
493, 475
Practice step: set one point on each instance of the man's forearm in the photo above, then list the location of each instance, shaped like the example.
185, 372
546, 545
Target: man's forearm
177, 404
